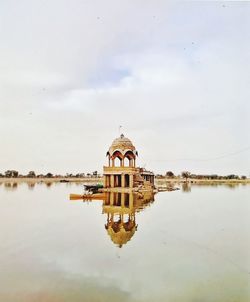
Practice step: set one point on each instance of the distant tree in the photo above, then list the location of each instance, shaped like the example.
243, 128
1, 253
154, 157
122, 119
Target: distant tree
7, 173
11, 173
243, 177
14, 173
185, 174
232, 176
31, 174
95, 173
49, 175
159, 176
169, 174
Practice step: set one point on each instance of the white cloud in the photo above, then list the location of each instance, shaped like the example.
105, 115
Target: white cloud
175, 75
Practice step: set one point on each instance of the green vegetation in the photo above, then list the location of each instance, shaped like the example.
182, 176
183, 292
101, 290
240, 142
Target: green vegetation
170, 174
32, 174
187, 175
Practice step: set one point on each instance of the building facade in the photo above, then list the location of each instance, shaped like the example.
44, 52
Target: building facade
121, 171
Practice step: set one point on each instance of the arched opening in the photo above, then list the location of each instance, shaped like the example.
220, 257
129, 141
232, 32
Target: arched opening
117, 162
129, 159
126, 162
117, 159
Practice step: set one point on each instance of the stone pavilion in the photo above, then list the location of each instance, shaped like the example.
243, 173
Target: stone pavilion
121, 171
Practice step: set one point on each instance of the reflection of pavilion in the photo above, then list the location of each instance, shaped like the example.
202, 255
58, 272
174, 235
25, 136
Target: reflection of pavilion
126, 189
121, 210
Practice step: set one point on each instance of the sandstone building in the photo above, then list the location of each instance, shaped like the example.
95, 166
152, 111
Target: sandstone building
121, 172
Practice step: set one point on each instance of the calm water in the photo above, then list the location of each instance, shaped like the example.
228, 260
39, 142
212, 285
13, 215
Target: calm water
184, 246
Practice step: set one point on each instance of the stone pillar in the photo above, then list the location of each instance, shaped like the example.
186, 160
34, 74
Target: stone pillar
113, 162
122, 163
111, 200
107, 181
131, 180
131, 200
104, 181
122, 200
109, 161
123, 181
112, 181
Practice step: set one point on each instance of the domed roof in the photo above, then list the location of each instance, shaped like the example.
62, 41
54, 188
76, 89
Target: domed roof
122, 144
122, 236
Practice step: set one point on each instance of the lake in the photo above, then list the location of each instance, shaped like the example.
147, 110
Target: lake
190, 245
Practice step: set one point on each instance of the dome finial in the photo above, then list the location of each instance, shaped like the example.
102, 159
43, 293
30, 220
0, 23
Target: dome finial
120, 127
122, 135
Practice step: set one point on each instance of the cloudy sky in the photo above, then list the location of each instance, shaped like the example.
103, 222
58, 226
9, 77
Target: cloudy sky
175, 75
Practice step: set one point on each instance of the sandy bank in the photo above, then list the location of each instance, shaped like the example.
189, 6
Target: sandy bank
158, 181
51, 179
203, 181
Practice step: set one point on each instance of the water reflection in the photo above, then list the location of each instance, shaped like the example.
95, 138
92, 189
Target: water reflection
120, 209
186, 187
195, 246
31, 185
10, 186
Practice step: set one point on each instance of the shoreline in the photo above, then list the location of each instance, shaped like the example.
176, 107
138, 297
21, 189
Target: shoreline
158, 181
48, 179
202, 181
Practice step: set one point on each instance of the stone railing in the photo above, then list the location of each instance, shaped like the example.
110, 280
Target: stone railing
119, 169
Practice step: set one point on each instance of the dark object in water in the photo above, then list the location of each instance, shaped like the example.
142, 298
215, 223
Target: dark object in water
167, 189
93, 188
64, 180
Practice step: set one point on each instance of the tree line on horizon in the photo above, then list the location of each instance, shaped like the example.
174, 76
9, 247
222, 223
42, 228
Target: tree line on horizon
32, 174
189, 175
169, 174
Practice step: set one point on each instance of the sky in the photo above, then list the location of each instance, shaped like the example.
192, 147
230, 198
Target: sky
175, 76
